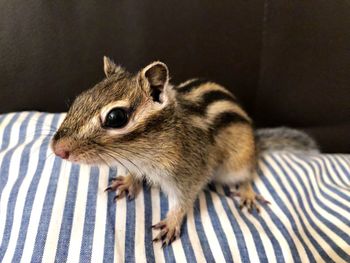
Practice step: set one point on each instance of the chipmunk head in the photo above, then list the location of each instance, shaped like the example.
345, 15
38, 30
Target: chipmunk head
116, 117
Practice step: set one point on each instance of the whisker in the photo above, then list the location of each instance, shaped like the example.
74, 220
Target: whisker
112, 154
47, 157
103, 160
134, 153
44, 130
126, 159
141, 173
44, 125
116, 160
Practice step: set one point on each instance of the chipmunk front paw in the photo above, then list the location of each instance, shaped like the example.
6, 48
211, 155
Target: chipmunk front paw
125, 186
169, 231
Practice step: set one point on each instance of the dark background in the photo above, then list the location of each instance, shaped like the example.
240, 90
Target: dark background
287, 61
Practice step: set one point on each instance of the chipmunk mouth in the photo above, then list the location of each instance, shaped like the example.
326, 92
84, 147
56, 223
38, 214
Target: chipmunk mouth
67, 149
83, 158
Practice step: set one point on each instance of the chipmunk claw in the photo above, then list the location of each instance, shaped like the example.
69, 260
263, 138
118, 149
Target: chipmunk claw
114, 185
122, 193
159, 225
125, 185
262, 200
118, 178
167, 234
249, 199
116, 197
250, 204
161, 235
131, 196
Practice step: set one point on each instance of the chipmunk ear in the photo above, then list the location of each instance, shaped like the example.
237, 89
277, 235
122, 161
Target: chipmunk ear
110, 68
157, 75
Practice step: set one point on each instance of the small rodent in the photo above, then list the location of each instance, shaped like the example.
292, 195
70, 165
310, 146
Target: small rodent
178, 137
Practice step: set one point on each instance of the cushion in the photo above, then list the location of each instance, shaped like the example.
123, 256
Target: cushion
52, 210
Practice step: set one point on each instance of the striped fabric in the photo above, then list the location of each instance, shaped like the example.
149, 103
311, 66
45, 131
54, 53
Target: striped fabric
53, 211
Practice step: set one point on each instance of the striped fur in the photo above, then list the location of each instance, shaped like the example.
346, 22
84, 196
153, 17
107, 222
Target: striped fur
205, 94
179, 138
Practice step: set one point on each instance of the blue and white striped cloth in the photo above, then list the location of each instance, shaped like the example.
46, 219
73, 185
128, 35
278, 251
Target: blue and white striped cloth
53, 211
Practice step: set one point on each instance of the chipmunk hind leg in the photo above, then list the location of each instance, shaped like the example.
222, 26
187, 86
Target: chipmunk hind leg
236, 163
241, 178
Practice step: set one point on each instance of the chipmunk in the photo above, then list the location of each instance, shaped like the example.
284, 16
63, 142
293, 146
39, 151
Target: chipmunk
178, 137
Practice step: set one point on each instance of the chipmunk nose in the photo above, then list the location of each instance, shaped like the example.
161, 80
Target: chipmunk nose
60, 151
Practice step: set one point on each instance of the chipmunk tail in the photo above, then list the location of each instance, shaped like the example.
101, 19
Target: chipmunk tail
284, 139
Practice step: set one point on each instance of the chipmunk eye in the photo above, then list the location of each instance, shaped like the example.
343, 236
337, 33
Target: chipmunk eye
116, 118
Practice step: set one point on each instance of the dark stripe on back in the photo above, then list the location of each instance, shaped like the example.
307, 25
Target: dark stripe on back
192, 85
225, 119
207, 99
217, 95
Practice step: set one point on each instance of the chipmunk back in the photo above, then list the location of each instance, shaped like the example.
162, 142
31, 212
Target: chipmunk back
177, 137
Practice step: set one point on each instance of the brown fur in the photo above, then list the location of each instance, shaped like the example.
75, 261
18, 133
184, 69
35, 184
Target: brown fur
181, 140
